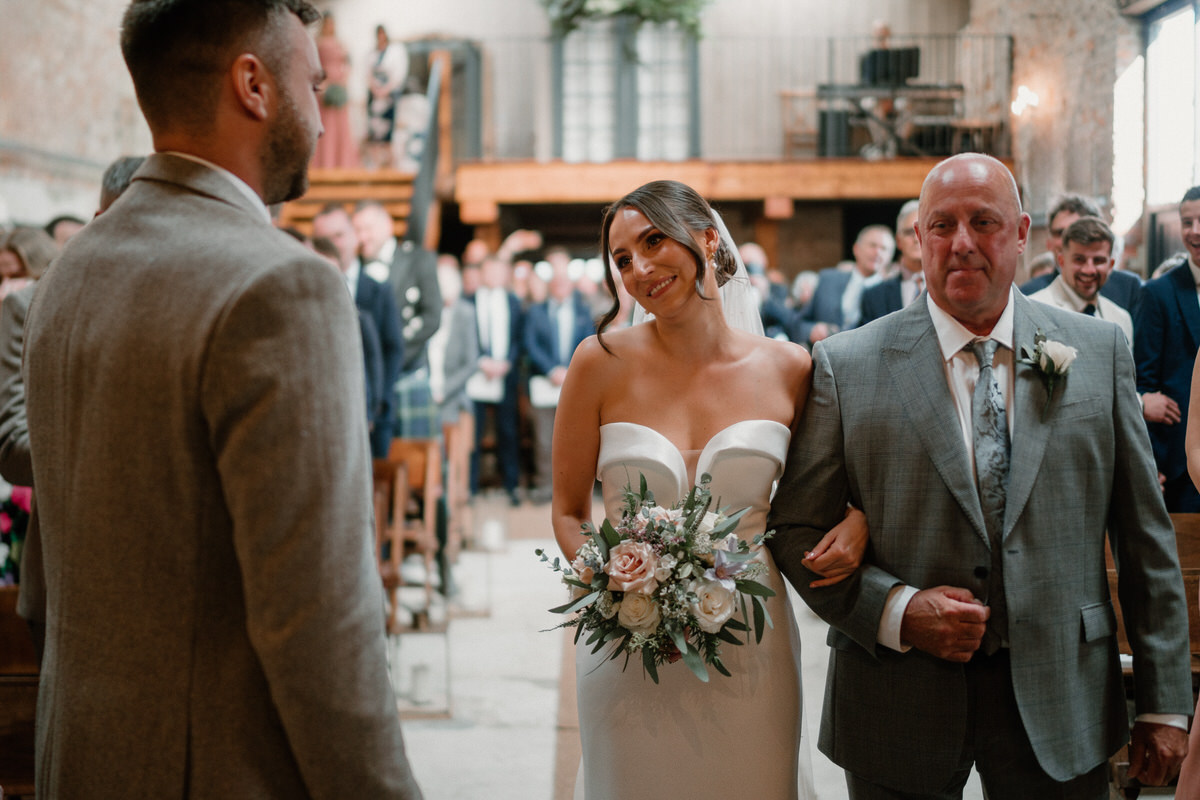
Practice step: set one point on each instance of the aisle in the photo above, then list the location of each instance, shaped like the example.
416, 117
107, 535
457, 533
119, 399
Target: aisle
511, 731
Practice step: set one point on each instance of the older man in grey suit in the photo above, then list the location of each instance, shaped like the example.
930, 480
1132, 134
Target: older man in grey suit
980, 630
194, 394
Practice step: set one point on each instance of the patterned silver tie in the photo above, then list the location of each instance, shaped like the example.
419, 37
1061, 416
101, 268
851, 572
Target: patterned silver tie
990, 425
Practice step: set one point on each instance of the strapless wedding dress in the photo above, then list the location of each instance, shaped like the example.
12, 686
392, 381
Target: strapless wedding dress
728, 738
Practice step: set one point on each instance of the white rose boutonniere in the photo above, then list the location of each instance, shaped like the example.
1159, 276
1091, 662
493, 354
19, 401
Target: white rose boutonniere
1050, 360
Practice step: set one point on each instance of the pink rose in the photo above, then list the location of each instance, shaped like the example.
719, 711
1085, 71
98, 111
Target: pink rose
23, 497
631, 568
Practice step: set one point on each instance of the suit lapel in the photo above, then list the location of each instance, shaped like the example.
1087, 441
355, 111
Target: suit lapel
1185, 295
914, 361
1032, 416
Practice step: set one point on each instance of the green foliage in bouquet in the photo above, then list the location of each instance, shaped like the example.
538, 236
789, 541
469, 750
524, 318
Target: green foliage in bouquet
667, 583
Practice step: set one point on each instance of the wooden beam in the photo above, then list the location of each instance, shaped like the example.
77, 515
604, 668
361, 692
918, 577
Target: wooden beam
478, 211
509, 182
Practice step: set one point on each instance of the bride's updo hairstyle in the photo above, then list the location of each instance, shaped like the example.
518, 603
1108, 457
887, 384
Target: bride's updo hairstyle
680, 213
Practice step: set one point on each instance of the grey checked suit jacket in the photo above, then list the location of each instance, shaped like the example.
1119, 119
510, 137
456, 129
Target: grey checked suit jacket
194, 390
880, 430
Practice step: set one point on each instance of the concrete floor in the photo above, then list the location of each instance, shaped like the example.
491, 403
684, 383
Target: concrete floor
506, 729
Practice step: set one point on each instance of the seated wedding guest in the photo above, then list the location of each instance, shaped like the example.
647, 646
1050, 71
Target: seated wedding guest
553, 329
16, 465
494, 388
215, 614
63, 227
1084, 264
372, 349
24, 255
376, 301
897, 291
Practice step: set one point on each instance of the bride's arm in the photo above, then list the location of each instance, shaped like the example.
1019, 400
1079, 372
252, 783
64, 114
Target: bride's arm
840, 551
576, 447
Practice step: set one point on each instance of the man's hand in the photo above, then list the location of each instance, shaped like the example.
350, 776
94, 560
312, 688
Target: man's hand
945, 621
1156, 752
819, 331
493, 368
1157, 407
558, 375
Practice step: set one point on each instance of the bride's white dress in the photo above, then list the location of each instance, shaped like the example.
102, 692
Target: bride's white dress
730, 737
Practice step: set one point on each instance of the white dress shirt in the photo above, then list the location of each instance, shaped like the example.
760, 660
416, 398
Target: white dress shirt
491, 312
380, 267
1061, 295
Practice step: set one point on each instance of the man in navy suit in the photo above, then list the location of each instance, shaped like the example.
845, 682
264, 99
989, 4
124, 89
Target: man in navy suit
1167, 335
553, 329
837, 301
906, 284
375, 301
1123, 288
495, 387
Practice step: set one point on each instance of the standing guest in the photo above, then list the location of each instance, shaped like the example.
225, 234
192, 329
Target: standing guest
980, 626
907, 283
836, 303
336, 147
206, 514
389, 68
375, 300
1043, 264
372, 349
16, 464
1123, 288
1085, 262
495, 387
24, 255
454, 348
63, 227
553, 329
411, 272
1165, 347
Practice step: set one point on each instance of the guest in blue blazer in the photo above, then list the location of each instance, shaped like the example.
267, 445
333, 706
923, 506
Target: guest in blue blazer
837, 301
553, 329
1166, 339
906, 284
1123, 288
375, 300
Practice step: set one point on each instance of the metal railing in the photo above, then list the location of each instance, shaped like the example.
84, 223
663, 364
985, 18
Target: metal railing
741, 81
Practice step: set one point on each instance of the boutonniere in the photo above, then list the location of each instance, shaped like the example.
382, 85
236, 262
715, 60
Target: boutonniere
1050, 360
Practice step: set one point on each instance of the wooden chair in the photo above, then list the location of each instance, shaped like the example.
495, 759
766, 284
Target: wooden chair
18, 698
1187, 542
408, 484
459, 437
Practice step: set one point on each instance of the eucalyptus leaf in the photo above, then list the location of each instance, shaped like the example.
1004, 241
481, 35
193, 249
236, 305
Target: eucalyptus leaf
648, 663
691, 657
575, 605
759, 613
754, 588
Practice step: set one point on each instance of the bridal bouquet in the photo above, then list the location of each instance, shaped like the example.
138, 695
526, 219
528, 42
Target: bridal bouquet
666, 582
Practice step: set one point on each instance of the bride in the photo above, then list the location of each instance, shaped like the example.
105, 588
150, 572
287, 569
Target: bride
696, 389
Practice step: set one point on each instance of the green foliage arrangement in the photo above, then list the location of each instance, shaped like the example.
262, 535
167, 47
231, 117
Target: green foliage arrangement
565, 15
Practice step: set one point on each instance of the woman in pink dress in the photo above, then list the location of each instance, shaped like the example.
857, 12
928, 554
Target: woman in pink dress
336, 147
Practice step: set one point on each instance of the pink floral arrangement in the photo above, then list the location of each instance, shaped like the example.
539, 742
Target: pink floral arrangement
667, 583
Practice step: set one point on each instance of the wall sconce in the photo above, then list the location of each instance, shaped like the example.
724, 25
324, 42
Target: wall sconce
1026, 98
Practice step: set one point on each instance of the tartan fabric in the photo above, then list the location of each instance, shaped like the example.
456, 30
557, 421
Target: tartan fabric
417, 415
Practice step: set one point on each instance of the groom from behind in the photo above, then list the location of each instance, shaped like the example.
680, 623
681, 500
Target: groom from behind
194, 393
980, 630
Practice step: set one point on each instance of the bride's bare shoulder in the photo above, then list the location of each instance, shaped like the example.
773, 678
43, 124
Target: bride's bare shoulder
786, 356
613, 351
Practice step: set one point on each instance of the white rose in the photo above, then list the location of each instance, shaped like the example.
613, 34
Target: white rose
1057, 357
639, 613
714, 604
708, 523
